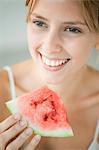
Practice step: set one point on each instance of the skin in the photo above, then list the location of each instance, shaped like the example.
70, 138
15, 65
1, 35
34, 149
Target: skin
51, 40
10, 128
55, 40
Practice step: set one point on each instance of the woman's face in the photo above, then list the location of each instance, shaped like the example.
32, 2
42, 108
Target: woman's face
57, 32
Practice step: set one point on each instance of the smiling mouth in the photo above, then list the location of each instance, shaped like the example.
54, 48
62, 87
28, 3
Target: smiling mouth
53, 64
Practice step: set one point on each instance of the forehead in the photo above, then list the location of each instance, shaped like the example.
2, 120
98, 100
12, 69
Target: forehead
58, 8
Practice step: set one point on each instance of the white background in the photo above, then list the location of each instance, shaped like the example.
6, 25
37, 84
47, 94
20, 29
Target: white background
13, 36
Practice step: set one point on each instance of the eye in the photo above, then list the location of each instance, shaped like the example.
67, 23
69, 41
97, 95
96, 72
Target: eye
40, 24
72, 30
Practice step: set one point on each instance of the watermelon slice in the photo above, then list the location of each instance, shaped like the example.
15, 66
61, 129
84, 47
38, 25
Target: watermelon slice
44, 111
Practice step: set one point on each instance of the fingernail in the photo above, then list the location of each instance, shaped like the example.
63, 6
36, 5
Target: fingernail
17, 116
29, 131
37, 138
23, 123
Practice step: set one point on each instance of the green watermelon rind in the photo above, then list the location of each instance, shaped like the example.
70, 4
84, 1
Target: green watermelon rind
55, 133
62, 132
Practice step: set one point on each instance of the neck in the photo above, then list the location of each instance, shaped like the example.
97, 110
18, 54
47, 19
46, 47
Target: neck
71, 87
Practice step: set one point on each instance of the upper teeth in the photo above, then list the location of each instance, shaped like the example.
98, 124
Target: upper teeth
53, 62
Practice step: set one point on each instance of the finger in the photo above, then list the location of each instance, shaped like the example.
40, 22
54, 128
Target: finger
13, 131
7, 123
34, 142
19, 141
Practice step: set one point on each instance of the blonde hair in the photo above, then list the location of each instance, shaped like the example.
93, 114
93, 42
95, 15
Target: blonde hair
30, 4
90, 12
90, 9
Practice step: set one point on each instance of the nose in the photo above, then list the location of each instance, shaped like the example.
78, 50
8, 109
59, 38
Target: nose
52, 43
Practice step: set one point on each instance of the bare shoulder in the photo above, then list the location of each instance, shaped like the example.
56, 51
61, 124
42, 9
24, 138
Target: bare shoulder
25, 76
20, 69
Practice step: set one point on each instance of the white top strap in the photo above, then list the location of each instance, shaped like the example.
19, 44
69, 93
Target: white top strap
95, 145
11, 81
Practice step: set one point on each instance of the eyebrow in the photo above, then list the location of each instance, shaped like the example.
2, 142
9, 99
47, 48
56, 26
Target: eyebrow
66, 22
40, 17
74, 22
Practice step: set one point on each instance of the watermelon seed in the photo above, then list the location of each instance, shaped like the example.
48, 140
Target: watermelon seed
33, 103
45, 117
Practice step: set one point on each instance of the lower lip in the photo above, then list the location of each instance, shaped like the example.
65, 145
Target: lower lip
53, 69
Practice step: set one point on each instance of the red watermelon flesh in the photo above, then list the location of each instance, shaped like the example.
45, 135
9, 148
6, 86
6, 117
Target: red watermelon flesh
44, 111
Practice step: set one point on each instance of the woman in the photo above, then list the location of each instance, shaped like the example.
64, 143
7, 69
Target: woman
61, 34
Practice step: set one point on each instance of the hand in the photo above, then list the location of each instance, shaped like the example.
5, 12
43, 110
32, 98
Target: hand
14, 134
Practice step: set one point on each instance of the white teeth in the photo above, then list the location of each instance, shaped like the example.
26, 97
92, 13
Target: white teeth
47, 61
53, 62
57, 63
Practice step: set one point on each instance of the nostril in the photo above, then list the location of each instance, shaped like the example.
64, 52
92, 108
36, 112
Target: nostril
68, 59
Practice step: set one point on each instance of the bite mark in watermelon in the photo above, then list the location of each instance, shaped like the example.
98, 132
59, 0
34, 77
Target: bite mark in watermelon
44, 111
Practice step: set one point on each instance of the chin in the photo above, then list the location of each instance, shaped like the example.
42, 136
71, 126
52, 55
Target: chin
54, 81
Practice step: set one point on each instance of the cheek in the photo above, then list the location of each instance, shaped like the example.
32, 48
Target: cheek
80, 48
34, 39
81, 52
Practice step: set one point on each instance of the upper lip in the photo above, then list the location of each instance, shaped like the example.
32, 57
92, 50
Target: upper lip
55, 58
